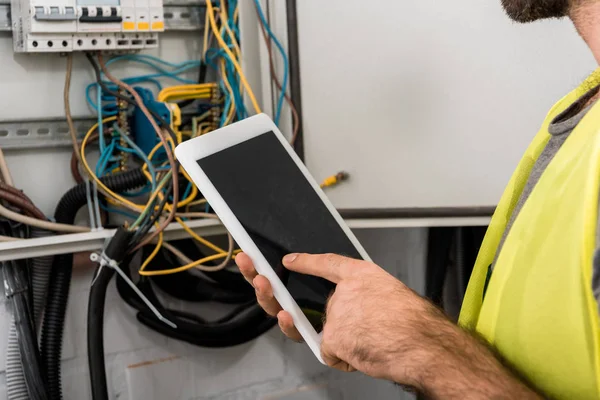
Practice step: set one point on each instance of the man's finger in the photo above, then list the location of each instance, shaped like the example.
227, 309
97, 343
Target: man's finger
329, 266
286, 324
246, 267
264, 295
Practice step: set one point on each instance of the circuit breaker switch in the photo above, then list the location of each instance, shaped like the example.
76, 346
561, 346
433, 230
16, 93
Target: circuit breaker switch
54, 13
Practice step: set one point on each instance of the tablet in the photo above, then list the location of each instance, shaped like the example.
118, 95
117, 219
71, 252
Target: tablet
272, 206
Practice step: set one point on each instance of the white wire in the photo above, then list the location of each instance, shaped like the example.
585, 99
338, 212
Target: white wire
97, 206
88, 196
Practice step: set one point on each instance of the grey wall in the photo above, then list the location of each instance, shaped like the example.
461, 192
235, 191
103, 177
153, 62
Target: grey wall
145, 365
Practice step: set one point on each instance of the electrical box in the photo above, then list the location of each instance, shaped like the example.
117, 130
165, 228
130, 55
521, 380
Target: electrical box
83, 25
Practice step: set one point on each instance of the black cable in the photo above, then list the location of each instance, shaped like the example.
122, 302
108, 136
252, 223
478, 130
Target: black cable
17, 289
189, 287
95, 332
60, 278
294, 71
115, 251
246, 322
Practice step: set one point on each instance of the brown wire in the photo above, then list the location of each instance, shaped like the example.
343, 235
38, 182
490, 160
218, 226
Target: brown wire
75, 168
22, 204
275, 79
15, 191
163, 139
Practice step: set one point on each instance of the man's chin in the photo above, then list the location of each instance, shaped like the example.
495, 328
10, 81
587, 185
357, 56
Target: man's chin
524, 11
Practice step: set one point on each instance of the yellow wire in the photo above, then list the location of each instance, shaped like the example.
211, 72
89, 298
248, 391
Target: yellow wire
184, 267
192, 89
195, 203
185, 95
236, 46
154, 252
225, 25
205, 44
223, 45
198, 238
177, 97
230, 90
202, 127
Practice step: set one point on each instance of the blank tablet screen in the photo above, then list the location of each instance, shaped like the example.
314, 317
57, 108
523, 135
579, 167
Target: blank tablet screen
280, 211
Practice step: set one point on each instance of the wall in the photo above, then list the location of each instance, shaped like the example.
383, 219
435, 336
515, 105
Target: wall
145, 365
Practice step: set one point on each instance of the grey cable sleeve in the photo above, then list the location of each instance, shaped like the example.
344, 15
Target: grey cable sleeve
16, 388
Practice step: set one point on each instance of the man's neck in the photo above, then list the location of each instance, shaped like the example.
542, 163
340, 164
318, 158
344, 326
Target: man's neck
585, 15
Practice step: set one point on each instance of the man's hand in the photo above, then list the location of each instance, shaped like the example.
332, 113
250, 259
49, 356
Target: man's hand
377, 325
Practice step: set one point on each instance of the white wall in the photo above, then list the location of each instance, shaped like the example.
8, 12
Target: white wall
143, 365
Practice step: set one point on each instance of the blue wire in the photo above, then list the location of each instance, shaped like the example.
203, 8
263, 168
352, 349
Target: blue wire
140, 57
117, 211
188, 189
148, 78
99, 111
101, 166
139, 153
126, 149
283, 56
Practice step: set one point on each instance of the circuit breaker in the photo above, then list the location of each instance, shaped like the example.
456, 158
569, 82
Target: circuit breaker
83, 25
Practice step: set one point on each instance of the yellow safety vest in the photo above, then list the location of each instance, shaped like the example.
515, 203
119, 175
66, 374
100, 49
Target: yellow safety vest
537, 307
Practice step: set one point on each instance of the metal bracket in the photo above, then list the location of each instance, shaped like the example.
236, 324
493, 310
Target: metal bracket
180, 15
5, 17
48, 133
184, 17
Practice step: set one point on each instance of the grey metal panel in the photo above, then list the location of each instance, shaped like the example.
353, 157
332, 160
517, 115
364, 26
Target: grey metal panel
427, 103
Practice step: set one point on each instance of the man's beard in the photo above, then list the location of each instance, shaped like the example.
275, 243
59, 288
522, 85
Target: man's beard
533, 10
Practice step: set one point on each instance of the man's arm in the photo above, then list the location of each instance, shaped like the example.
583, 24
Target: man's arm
455, 364
377, 325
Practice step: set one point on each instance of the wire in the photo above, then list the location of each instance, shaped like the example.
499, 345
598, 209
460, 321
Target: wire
195, 264
153, 254
199, 238
139, 153
88, 197
267, 28
6, 176
213, 25
164, 140
295, 116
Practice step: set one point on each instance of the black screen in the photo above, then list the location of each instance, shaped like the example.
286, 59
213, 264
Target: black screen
281, 212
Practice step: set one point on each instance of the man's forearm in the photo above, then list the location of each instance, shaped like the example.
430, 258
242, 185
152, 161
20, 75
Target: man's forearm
452, 364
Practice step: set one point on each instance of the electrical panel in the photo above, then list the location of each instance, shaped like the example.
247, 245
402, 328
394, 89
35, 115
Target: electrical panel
83, 25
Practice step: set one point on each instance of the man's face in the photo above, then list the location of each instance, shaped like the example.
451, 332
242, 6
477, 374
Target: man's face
532, 10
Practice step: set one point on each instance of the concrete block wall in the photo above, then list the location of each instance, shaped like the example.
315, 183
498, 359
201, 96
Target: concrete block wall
142, 364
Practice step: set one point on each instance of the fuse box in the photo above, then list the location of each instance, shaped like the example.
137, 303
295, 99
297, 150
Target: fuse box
83, 25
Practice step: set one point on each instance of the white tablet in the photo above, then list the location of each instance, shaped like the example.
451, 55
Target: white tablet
267, 199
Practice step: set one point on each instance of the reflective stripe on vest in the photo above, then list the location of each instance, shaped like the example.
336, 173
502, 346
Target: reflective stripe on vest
539, 311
